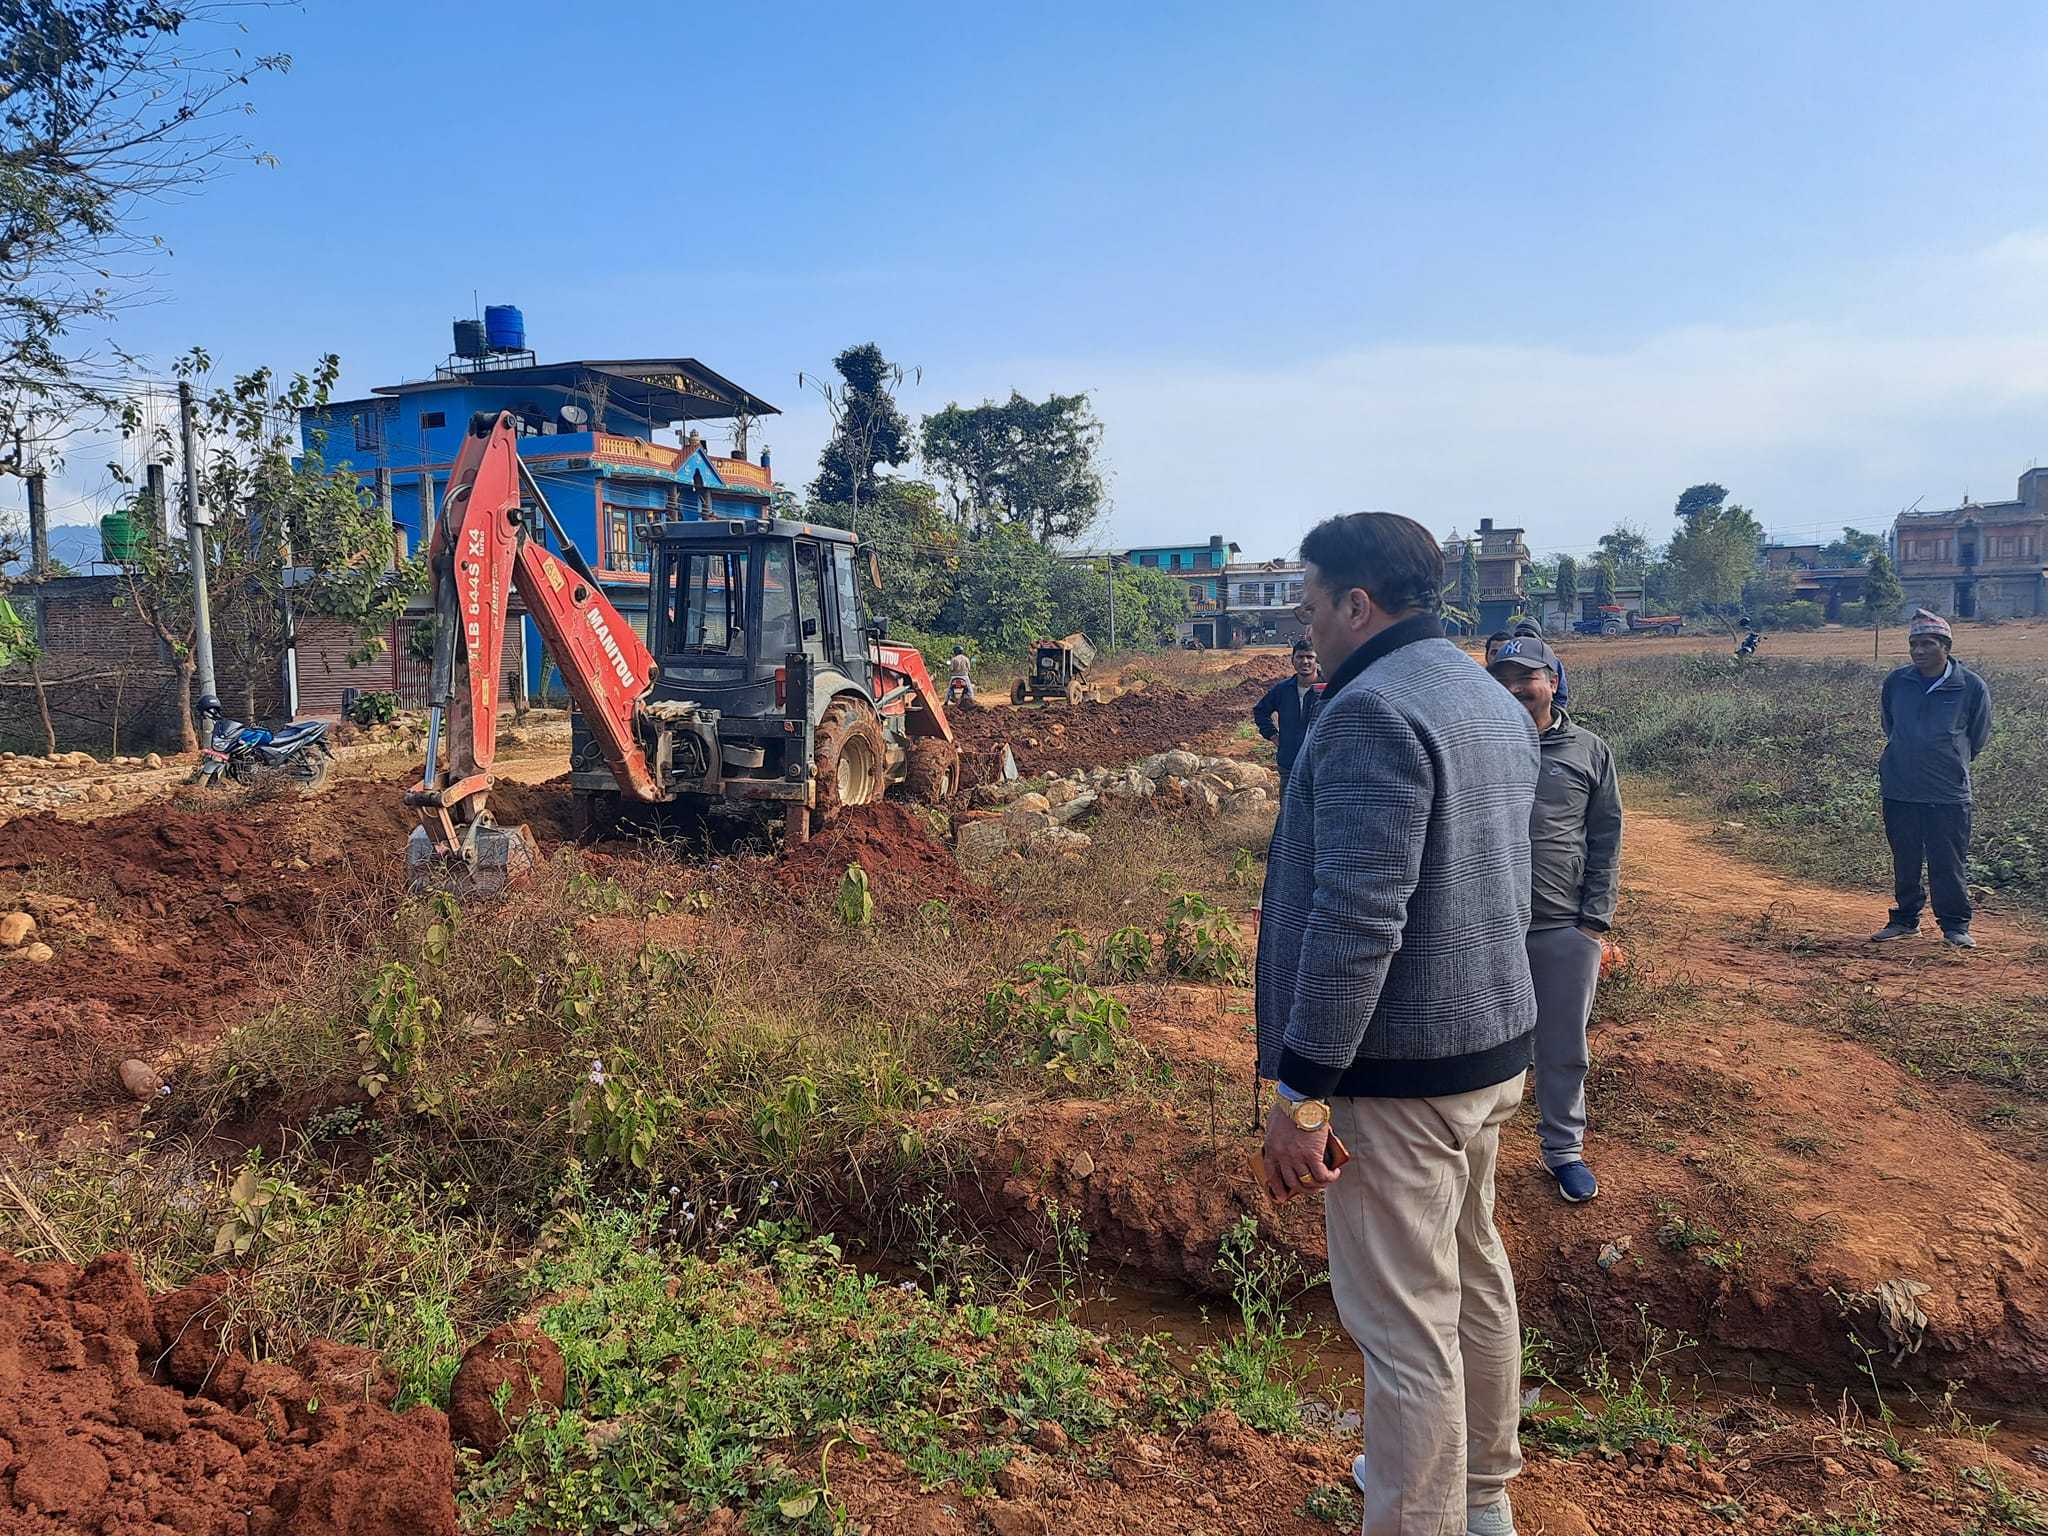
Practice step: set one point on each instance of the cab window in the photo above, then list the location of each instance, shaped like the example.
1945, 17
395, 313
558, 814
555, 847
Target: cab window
851, 641
706, 605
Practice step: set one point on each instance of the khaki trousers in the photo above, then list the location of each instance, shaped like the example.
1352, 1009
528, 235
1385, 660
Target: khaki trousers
1423, 1287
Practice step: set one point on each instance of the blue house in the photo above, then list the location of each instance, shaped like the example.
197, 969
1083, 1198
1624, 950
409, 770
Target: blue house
1199, 565
586, 433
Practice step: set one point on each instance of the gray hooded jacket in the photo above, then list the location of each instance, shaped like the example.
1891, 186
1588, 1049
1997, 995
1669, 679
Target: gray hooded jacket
1575, 831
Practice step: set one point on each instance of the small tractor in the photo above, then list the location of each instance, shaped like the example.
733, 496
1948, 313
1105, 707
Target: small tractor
760, 683
1058, 670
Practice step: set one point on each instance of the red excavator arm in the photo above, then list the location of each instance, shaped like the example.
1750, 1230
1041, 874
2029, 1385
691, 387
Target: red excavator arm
482, 549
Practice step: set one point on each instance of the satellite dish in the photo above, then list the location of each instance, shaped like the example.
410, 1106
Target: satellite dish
574, 416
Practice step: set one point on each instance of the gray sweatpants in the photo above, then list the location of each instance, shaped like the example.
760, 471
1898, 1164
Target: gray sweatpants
1565, 965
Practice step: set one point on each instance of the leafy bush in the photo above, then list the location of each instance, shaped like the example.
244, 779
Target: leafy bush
1202, 941
373, 708
1794, 616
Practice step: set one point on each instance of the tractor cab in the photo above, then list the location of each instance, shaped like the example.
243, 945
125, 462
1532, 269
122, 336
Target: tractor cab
732, 601
769, 682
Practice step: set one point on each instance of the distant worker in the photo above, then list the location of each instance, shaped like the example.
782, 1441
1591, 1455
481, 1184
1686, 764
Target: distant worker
1494, 642
1937, 717
1575, 862
961, 683
1529, 629
1284, 715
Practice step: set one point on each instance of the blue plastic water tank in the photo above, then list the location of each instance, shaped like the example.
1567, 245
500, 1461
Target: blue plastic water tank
504, 328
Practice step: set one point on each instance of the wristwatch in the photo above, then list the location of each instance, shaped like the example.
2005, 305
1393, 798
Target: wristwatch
1308, 1114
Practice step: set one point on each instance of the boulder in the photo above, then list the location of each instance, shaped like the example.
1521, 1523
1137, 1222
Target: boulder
36, 954
101, 793
981, 842
1153, 767
1204, 795
516, 1360
1058, 840
1183, 765
1080, 805
1244, 775
139, 1080
1242, 801
1031, 800
153, 761
1020, 821
1059, 792
16, 929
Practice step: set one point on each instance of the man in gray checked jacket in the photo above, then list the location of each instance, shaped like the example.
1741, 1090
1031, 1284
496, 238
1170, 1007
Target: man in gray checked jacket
1395, 1009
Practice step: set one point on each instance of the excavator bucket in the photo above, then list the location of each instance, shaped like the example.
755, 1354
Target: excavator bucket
484, 859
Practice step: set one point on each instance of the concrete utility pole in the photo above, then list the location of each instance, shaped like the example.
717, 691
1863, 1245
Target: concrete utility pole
38, 529
1109, 569
195, 532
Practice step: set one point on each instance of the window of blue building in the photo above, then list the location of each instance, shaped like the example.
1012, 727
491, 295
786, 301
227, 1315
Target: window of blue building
431, 419
369, 431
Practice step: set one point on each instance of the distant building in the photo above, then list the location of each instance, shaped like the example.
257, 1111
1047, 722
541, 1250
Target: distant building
586, 431
1503, 573
1979, 560
1199, 565
1262, 596
1814, 581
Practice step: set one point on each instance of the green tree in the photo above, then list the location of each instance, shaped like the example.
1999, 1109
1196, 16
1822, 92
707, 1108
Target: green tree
1627, 550
916, 547
110, 107
289, 536
867, 427
1854, 547
1712, 556
1695, 499
1883, 596
1002, 592
1567, 584
1603, 580
1468, 575
1030, 464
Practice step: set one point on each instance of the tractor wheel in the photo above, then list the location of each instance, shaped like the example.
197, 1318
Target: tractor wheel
848, 766
1018, 692
934, 774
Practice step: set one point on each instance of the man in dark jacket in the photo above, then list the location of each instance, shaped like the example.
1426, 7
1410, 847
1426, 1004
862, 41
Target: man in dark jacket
1937, 717
1395, 1010
1575, 863
1283, 715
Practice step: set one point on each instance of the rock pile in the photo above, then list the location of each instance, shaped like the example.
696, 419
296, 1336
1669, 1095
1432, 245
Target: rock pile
1019, 819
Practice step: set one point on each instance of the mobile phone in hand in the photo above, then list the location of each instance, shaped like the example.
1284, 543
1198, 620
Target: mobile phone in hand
1335, 1156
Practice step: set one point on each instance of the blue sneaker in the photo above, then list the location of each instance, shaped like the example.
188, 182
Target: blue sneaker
1575, 1182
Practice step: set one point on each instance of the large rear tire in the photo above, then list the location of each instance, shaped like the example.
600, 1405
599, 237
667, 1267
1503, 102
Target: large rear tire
934, 775
1018, 692
848, 765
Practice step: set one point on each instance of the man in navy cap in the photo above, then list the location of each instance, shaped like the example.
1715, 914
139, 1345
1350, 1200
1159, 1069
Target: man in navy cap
1575, 866
1937, 717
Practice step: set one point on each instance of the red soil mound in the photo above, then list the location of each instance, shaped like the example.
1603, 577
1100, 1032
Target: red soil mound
906, 865
93, 1439
1056, 739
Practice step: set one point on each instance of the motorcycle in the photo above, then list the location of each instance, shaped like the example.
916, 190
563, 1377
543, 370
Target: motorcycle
297, 755
958, 692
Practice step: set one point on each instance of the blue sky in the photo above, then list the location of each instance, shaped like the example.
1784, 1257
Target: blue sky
1546, 264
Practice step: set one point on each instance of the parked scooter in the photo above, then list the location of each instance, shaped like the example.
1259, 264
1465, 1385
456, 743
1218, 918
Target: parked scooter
297, 755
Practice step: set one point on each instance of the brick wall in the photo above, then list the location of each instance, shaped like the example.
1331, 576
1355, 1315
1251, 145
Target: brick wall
106, 673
